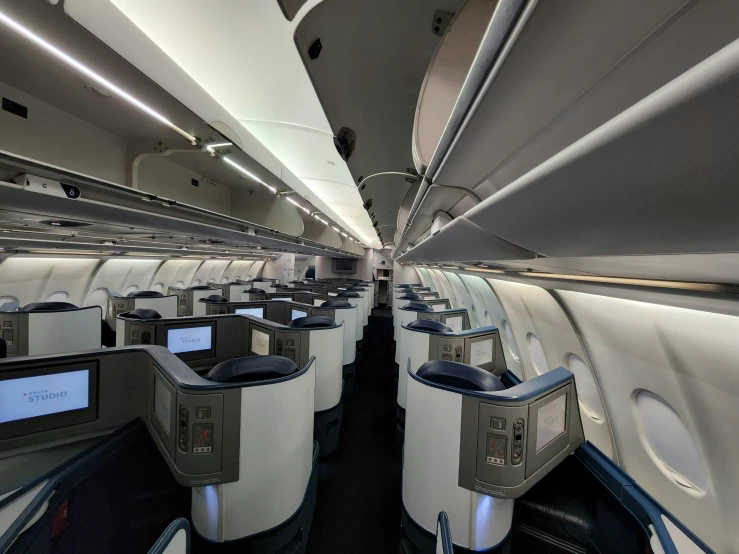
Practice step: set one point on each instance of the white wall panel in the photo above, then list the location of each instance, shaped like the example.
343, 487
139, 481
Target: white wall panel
175, 272
237, 270
687, 358
209, 272
35, 279
256, 270
532, 310
121, 275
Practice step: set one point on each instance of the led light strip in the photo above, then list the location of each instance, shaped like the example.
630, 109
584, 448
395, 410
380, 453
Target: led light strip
92, 75
137, 103
702, 287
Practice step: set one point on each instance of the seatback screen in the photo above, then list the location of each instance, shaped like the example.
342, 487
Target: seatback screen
295, 314
284, 298
257, 312
41, 395
455, 323
550, 421
481, 352
438, 307
259, 343
189, 339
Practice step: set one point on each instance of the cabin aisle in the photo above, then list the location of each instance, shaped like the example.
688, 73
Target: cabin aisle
358, 507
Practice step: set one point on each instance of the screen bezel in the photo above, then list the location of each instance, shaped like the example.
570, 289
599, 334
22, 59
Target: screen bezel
197, 354
268, 332
12, 429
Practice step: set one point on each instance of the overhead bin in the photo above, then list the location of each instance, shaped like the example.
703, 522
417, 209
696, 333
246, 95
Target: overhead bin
658, 178
512, 126
446, 76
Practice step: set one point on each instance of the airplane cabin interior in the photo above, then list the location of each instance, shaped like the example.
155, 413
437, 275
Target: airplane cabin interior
369, 276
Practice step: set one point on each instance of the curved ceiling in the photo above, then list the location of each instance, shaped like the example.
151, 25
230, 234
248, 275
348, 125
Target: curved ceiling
243, 55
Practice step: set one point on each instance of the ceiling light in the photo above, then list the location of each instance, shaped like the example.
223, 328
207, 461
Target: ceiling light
249, 174
335, 229
703, 287
92, 75
344, 234
220, 145
484, 270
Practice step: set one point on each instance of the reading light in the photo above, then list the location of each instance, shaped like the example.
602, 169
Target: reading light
249, 174
92, 75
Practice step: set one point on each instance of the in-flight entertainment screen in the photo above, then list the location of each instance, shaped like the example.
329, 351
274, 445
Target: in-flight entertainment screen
189, 339
258, 312
259, 343
481, 352
550, 421
295, 314
285, 298
30, 397
456, 323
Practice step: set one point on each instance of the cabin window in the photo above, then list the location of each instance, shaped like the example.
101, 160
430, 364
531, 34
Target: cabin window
587, 389
673, 448
537, 354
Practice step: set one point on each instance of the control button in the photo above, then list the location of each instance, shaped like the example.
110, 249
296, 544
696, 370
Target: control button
291, 342
290, 354
496, 461
146, 337
446, 357
497, 423
135, 334
458, 353
7, 323
202, 412
447, 348
183, 428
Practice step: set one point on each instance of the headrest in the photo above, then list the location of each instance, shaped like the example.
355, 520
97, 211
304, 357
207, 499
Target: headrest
411, 296
428, 325
312, 322
356, 288
258, 280
417, 307
235, 283
336, 304
214, 298
297, 283
200, 287
252, 368
280, 286
142, 313
256, 291
145, 294
403, 286
348, 294
460, 376
48, 307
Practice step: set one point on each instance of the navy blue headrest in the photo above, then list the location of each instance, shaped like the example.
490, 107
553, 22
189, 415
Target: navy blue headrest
460, 376
297, 283
279, 286
416, 307
200, 287
145, 294
348, 294
256, 291
403, 286
428, 325
252, 368
48, 307
312, 322
215, 298
360, 289
142, 313
258, 280
411, 296
336, 304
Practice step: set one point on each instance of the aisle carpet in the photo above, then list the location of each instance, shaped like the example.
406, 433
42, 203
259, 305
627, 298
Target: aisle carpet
359, 496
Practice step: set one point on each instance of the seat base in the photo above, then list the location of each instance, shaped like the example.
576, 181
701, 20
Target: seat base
291, 536
349, 374
327, 428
